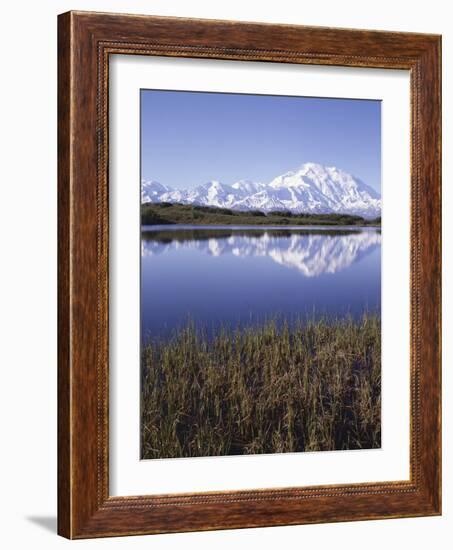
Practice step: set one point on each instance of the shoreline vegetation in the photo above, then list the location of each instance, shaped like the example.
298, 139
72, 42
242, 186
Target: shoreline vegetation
273, 388
166, 213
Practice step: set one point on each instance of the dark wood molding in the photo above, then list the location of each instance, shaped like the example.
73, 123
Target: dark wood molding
85, 41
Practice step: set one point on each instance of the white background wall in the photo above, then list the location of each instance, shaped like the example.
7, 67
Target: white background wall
28, 269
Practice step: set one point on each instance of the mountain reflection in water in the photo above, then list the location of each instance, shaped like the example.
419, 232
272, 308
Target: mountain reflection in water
227, 276
311, 252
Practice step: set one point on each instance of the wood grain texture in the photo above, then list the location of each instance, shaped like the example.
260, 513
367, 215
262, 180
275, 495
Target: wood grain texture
64, 367
85, 42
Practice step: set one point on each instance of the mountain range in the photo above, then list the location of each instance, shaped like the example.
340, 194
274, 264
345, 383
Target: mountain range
312, 188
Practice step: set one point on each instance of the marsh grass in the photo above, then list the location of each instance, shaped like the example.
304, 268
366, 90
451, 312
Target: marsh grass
313, 386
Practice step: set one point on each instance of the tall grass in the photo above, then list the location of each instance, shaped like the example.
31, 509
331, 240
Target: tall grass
268, 389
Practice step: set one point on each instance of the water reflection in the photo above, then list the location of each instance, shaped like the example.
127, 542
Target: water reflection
310, 252
230, 276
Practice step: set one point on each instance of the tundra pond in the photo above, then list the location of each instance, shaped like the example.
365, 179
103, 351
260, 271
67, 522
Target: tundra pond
241, 276
259, 339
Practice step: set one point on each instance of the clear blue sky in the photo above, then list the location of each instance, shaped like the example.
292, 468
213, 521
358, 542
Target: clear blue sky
189, 138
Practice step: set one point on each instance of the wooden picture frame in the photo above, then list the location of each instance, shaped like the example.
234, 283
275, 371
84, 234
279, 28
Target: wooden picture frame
85, 42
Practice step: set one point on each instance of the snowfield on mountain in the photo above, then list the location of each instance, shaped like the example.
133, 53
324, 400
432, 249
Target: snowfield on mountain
312, 188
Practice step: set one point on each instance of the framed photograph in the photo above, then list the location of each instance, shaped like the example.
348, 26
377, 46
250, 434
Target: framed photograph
249, 275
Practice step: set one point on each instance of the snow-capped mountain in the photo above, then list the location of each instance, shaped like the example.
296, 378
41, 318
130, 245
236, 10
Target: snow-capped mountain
312, 188
312, 255
152, 190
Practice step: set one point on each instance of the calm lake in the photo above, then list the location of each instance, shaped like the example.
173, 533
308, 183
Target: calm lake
243, 275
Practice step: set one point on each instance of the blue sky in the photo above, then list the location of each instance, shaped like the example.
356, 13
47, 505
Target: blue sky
189, 138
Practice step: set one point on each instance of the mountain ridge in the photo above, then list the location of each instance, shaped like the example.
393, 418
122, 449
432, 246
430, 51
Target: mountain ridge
312, 188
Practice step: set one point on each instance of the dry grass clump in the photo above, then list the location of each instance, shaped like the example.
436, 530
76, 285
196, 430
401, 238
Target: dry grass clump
268, 389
